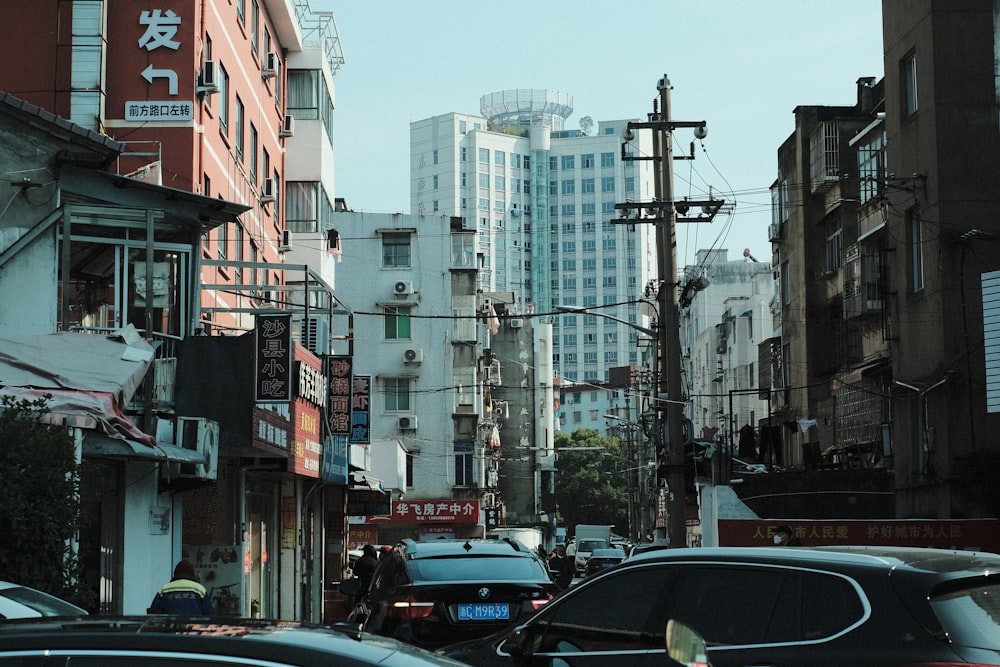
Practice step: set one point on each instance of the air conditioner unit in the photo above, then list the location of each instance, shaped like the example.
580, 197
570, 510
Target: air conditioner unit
269, 190
208, 81
515, 323
314, 334
269, 68
287, 127
413, 356
286, 241
408, 423
402, 288
774, 231
200, 435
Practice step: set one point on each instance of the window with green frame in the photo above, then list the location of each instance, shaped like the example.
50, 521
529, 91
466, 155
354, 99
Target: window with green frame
397, 322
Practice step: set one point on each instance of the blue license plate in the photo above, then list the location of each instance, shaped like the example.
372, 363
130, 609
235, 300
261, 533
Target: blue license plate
481, 611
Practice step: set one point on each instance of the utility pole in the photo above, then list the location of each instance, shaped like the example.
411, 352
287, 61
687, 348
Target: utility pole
665, 213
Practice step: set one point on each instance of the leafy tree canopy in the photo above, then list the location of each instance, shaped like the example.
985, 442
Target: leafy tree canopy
591, 484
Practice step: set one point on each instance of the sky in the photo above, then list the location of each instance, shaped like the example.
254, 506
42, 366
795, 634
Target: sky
742, 66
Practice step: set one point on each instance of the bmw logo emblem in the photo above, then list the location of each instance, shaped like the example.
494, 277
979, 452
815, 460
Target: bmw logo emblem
484, 593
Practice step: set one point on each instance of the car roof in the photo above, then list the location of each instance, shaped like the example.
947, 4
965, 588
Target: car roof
285, 641
933, 561
470, 547
607, 553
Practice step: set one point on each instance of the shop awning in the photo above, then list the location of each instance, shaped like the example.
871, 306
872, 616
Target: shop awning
98, 444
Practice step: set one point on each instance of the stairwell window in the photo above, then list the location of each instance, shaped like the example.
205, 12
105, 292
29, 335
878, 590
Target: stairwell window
464, 456
397, 394
916, 246
397, 323
395, 250
908, 81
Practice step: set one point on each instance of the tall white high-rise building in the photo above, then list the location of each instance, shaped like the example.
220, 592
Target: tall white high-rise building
543, 198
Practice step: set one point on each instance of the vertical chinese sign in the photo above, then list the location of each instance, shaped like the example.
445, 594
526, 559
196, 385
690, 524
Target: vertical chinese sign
361, 410
273, 369
339, 378
307, 410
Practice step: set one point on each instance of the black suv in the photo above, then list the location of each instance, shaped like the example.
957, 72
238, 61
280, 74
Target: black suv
169, 641
441, 591
795, 607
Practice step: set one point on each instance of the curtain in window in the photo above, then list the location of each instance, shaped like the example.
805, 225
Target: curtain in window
300, 206
303, 95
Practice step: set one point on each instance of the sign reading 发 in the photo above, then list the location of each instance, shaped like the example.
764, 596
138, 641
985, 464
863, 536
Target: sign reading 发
160, 28
273, 370
421, 511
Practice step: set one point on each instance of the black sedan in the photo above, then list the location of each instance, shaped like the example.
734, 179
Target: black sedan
164, 641
858, 606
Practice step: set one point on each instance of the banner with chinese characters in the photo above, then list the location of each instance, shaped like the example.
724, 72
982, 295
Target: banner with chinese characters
273, 370
977, 534
431, 511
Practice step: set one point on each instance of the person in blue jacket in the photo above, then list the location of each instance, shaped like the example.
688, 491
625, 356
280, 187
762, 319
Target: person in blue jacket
183, 595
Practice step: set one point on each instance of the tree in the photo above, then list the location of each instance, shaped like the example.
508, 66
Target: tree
592, 485
39, 502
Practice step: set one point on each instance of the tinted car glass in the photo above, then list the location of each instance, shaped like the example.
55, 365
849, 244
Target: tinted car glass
971, 616
625, 612
37, 601
500, 569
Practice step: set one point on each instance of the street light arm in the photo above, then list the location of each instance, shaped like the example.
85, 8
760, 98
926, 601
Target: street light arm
579, 309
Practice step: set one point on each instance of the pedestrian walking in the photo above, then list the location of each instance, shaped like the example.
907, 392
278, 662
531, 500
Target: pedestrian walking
183, 595
562, 566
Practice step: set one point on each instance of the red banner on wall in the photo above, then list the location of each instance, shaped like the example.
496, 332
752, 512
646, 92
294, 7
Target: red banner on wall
975, 534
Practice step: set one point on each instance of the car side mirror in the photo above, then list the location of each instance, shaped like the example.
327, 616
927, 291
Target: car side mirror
350, 586
519, 643
685, 645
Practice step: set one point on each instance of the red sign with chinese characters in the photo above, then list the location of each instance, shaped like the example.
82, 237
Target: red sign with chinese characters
977, 534
310, 394
430, 511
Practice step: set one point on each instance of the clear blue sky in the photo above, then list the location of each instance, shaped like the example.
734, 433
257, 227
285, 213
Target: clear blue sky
741, 65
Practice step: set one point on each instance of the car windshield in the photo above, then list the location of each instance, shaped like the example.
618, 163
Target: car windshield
43, 603
476, 568
590, 545
971, 616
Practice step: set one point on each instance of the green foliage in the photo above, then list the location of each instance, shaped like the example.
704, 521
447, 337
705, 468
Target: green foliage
592, 485
39, 501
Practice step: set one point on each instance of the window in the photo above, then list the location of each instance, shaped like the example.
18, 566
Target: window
484, 155
590, 357
609, 263
397, 322
607, 159
239, 128
915, 233
568, 210
223, 99
587, 185
463, 154
589, 208
254, 142
609, 243
608, 184
463, 126
568, 187
254, 24
499, 158
834, 251
908, 80
569, 265
500, 182
569, 283
464, 456
587, 161
434, 156
871, 166
568, 162
395, 249
786, 288
397, 394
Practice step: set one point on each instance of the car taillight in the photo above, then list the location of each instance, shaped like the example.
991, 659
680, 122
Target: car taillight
537, 603
410, 609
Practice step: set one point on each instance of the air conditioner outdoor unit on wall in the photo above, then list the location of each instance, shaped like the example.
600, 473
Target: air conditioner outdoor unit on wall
286, 241
515, 323
269, 190
269, 70
287, 127
408, 423
200, 435
402, 288
208, 81
413, 356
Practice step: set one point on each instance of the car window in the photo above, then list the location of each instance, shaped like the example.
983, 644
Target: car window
40, 602
761, 605
971, 615
619, 611
477, 567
